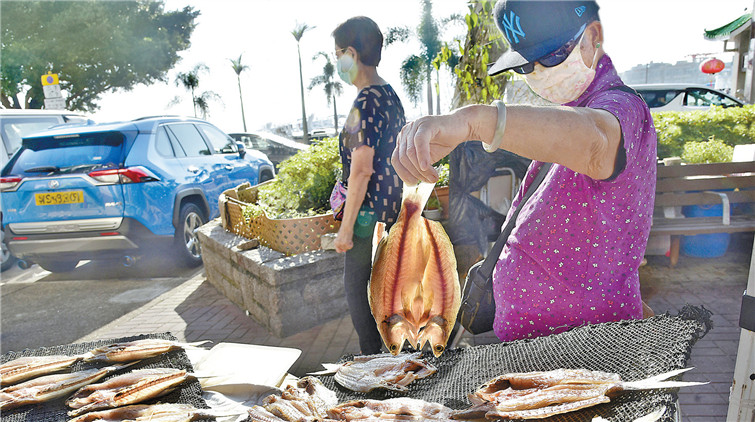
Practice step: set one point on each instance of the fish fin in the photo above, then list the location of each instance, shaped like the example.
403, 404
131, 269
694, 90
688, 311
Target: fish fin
330, 368
377, 238
658, 381
194, 345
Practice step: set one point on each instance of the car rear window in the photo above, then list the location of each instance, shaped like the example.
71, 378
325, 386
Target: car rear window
79, 154
14, 128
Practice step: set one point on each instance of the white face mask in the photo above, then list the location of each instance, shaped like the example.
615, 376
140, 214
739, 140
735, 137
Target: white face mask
347, 68
563, 83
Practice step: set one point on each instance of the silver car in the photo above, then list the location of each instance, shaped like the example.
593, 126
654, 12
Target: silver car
683, 97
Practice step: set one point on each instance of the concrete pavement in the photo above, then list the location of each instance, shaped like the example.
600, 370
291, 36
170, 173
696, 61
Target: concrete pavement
196, 311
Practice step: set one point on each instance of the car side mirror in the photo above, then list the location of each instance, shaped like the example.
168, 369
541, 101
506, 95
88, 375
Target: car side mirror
242, 149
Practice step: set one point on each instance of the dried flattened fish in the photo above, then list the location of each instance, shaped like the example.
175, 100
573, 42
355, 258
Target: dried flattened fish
537, 395
414, 289
137, 349
366, 373
50, 387
24, 368
168, 412
134, 387
309, 400
402, 408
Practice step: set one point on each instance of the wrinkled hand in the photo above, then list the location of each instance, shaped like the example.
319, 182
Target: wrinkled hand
422, 143
344, 240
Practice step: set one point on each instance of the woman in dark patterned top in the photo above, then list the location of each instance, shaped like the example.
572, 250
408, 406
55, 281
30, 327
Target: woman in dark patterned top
366, 144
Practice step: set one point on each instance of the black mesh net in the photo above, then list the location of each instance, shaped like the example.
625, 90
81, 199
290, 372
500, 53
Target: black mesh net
189, 392
634, 349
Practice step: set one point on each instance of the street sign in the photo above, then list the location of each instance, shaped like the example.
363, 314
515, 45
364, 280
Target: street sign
50, 79
52, 91
55, 103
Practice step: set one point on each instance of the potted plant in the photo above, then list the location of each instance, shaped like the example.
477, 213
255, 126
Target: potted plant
433, 209
714, 244
441, 188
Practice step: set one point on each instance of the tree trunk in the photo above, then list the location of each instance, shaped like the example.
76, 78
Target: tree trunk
429, 92
194, 102
305, 130
335, 115
241, 98
437, 92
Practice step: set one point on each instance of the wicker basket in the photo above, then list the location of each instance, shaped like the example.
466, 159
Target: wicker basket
290, 236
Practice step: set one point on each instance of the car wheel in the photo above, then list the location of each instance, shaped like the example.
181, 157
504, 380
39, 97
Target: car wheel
265, 176
186, 239
7, 258
58, 266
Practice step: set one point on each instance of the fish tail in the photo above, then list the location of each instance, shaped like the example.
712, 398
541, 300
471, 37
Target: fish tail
330, 368
418, 194
659, 381
194, 345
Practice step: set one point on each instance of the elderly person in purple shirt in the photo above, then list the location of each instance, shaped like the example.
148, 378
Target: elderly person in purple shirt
574, 254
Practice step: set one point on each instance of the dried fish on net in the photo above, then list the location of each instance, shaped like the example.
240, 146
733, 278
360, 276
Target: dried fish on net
400, 408
537, 395
308, 400
137, 349
49, 387
414, 291
134, 387
366, 373
165, 412
27, 367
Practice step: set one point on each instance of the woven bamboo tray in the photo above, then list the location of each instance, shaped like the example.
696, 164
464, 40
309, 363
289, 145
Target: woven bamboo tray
290, 236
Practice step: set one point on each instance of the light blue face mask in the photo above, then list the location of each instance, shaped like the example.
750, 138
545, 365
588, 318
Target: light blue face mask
346, 68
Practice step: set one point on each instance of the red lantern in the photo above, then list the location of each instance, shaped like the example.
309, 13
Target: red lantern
711, 66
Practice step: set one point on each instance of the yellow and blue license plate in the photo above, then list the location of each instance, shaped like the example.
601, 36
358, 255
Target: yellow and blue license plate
58, 198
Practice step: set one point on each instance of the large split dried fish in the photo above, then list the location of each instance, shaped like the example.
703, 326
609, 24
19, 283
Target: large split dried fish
537, 395
133, 387
309, 400
401, 409
414, 289
24, 368
366, 373
168, 412
50, 387
137, 350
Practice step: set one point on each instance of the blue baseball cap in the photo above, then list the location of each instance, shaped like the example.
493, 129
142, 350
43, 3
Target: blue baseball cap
536, 28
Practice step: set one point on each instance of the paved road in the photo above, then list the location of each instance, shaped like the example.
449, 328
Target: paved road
39, 308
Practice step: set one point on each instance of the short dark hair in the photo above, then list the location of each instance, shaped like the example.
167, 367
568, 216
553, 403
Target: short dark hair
363, 34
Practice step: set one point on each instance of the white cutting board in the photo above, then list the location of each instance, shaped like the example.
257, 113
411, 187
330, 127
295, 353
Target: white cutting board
235, 363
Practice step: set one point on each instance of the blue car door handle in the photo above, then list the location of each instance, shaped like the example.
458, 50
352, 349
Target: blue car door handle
229, 167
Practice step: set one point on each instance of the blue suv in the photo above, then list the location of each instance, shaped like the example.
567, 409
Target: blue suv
119, 190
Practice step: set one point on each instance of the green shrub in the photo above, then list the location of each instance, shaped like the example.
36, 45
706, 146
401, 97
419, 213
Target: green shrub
442, 170
710, 151
303, 184
732, 126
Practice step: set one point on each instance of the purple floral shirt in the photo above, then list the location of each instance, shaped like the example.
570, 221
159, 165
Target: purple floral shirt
574, 254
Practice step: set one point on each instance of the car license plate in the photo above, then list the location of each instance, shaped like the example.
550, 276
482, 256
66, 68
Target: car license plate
58, 198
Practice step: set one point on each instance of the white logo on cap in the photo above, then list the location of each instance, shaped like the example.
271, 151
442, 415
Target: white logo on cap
508, 27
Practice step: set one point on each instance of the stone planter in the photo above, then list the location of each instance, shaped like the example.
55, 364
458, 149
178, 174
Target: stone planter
286, 295
442, 193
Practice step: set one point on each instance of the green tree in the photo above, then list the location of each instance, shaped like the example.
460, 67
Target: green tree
190, 81
298, 33
417, 69
238, 68
470, 60
94, 46
331, 86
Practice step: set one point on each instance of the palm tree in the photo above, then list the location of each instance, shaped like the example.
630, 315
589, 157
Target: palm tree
238, 68
298, 32
190, 81
330, 85
417, 69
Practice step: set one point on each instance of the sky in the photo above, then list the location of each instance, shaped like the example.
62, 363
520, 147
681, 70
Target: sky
635, 32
